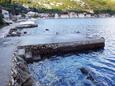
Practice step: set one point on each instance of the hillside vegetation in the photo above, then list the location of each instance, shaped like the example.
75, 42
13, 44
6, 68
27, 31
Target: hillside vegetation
97, 6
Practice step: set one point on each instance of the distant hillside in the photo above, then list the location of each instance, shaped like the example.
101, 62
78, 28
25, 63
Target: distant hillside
106, 6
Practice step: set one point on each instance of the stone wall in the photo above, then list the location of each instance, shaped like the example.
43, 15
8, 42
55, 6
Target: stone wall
20, 75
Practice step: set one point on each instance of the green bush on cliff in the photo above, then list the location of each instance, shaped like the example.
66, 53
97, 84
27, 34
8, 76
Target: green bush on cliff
1, 19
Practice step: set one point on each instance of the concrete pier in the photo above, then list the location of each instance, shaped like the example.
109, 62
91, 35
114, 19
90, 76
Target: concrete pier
37, 52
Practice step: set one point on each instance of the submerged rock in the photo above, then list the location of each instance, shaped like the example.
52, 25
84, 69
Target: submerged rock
90, 77
57, 33
88, 73
47, 29
25, 32
78, 32
84, 71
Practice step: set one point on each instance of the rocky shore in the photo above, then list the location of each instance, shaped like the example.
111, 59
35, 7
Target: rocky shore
20, 75
17, 30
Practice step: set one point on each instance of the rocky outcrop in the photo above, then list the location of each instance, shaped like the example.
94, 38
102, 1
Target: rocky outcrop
17, 30
26, 26
13, 33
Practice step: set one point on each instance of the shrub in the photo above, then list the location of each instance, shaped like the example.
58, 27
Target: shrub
1, 19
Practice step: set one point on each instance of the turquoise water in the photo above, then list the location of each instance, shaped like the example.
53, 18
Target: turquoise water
65, 70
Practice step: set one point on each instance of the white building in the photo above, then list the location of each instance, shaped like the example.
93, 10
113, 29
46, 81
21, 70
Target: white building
56, 15
81, 15
73, 15
5, 14
88, 15
31, 14
64, 16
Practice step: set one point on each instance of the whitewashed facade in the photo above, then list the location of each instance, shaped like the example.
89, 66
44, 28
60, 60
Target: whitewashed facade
5, 14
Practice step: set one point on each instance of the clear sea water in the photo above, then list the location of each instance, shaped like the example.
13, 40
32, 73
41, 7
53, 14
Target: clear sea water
65, 70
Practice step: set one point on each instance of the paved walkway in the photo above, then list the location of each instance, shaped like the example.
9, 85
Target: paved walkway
7, 47
5, 64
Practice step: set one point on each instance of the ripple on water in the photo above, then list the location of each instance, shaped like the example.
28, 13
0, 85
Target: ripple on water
65, 70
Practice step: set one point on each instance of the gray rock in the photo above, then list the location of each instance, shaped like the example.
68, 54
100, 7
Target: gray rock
28, 82
21, 52
84, 71
22, 66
